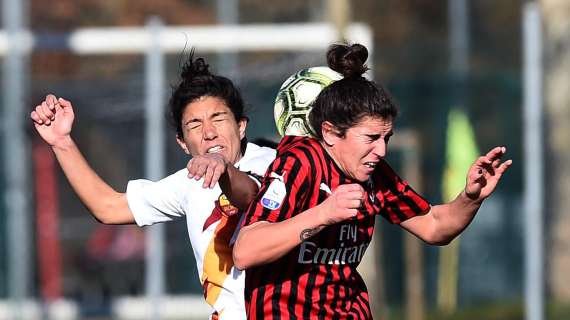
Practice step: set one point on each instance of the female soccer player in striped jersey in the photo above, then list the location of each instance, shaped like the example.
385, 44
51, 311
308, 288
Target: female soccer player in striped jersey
313, 217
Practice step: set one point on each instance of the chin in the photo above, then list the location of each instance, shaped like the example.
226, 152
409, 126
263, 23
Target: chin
364, 177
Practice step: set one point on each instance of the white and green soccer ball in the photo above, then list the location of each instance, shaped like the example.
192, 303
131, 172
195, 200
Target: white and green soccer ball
295, 99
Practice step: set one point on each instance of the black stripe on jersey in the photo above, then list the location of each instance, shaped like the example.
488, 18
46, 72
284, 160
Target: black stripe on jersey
275, 297
311, 195
310, 286
289, 185
395, 209
310, 155
410, 202
292, 299
323, 292
336, 298
259, 302
342, 281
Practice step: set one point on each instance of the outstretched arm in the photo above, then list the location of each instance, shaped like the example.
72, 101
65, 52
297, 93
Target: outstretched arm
53, 120
446, 221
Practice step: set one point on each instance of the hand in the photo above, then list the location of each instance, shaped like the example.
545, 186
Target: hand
342, 204
485, 173
53, 119
209, 166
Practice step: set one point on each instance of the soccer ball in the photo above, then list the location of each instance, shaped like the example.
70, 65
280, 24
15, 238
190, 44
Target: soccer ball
295, 98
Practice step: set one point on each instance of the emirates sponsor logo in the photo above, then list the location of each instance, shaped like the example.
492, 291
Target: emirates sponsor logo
311, 253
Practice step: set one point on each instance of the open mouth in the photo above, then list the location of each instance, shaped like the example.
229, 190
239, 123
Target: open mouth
371, 164
214, 149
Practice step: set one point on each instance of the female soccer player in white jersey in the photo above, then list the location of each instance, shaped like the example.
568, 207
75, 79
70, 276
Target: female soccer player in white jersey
207, 112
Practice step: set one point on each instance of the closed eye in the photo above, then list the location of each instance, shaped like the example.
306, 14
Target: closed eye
193, 124
372, 137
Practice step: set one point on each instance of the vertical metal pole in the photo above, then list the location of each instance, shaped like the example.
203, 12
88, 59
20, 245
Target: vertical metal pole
228, 14
339, 14
414, 257
458, 17
534, 162
459, 36
154, 163
16, 156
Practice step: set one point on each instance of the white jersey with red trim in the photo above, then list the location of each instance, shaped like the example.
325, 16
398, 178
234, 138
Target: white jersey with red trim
211, 222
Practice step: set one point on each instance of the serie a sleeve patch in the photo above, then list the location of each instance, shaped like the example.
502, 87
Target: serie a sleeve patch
273, 197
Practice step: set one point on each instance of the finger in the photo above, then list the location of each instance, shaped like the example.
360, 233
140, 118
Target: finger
43, 117
216, 177
483, 160
355, 195
48, 111
496, 152
504, 166
352, 213
36, 118
352, 203
200, 170
208, 174
51, 101
63, 102
190, 168
350, 187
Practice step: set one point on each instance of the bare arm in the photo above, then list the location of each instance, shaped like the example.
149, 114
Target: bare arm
53, 120
446, 221
236, 185
264, 242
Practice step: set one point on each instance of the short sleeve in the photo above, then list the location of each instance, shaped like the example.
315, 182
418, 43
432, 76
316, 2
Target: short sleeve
283, 190
399, 201
160, 201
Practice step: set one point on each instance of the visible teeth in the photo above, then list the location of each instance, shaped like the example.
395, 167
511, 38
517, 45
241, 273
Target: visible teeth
214, 149
370, 164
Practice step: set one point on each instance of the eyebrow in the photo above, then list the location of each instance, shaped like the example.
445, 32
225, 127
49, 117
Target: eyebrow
389, 134
215, 114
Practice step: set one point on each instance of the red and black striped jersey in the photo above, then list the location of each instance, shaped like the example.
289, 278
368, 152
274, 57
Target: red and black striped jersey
318, 278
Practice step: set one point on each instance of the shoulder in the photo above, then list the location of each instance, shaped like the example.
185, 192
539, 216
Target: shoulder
305, 150
256, 156
298, 157
254, 151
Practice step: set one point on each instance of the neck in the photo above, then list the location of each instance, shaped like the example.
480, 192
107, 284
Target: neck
331, 152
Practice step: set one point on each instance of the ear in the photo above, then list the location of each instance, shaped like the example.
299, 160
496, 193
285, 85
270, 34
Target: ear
242, 124
330, 133
182, 145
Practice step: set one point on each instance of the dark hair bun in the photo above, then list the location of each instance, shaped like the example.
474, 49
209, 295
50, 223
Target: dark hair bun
194, 68
348, 59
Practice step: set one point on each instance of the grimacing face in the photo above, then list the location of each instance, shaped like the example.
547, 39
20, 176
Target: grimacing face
361, 148
209, 126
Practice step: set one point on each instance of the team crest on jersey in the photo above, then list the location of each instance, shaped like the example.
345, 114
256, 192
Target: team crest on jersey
273, 197
222, 208
227, 208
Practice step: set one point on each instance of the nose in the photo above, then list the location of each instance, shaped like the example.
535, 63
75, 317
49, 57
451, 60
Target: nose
380, 148
209, 131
